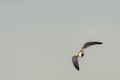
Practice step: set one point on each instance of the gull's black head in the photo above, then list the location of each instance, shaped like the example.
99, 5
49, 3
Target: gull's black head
75, 62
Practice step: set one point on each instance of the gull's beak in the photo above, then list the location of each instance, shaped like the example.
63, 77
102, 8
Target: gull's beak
75, 62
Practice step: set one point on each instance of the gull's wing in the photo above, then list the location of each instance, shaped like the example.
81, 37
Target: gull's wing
87, 44
75, 62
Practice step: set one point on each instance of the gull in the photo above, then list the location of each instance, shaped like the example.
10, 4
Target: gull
80, 54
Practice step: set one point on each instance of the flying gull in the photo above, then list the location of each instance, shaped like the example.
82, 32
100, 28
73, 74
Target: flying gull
80, 54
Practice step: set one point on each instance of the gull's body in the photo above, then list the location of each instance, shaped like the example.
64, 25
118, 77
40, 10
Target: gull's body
80, 54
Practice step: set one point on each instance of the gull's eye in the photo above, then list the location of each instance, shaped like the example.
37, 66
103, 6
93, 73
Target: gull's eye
82, 55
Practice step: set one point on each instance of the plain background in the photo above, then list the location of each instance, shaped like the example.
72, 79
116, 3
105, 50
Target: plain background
39, 37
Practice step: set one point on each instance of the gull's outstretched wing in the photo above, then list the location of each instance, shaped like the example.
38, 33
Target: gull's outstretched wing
75, 62
86, 45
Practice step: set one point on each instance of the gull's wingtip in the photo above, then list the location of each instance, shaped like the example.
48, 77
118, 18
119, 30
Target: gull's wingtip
100, 42
95, 42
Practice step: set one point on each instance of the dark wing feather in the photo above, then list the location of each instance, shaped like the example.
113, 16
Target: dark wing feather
75, 62
90, 44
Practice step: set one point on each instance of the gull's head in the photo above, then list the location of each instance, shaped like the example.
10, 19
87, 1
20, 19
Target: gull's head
80, 54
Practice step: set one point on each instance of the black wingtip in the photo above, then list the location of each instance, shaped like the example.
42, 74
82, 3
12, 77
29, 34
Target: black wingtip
100, 42
77, 69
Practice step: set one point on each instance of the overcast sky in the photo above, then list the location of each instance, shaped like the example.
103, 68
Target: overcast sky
39, 37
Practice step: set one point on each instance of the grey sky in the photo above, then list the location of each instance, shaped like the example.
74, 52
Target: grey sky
39, 38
